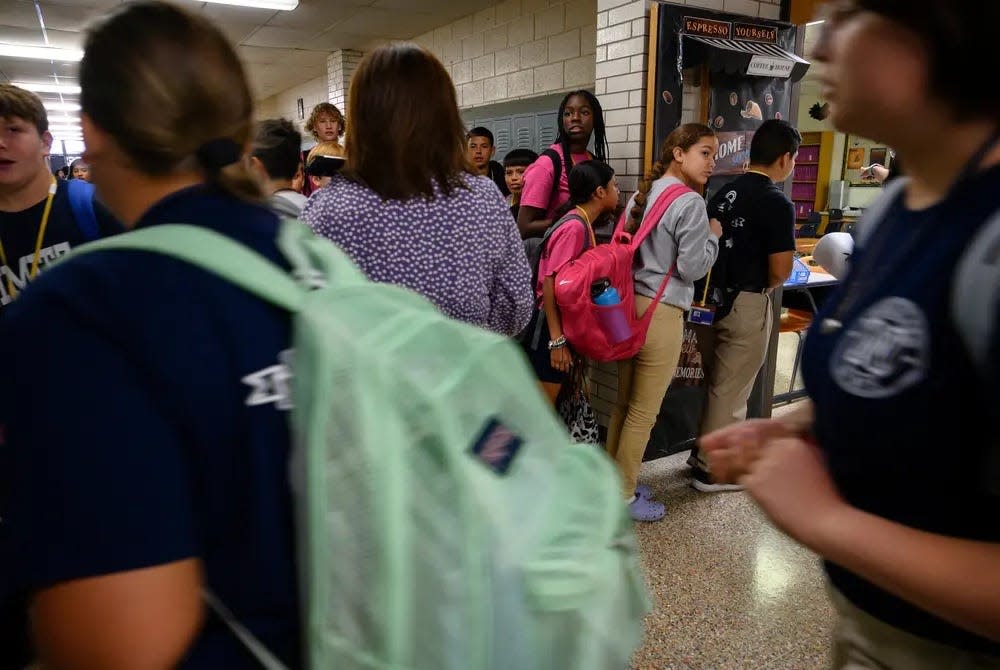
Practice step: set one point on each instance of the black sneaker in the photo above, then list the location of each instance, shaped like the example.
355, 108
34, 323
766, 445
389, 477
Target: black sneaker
702, 481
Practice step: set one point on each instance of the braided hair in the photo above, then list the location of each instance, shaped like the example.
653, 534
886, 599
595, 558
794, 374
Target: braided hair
600, 133
683, 137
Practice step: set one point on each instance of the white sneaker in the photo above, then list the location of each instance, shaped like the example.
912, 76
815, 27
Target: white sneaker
702, 481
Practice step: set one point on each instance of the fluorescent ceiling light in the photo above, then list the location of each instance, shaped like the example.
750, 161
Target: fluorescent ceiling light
62, 106
70, 89
283, 5
41, 53
816, 23
64, 120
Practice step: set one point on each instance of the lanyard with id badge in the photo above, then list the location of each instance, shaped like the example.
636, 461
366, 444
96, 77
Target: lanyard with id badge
702, 313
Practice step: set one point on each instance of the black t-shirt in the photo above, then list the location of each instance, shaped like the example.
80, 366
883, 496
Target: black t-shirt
19, 236
757, 220
903, 415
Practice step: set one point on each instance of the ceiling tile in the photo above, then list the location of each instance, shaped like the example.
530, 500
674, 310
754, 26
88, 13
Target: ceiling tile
280, 50
336, 38
385, 23
288, 38
317, 14
58, 38
222, 14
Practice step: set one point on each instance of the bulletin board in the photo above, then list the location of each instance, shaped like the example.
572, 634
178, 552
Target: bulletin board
860, 153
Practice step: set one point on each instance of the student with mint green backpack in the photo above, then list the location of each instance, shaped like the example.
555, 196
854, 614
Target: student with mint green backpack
223, 447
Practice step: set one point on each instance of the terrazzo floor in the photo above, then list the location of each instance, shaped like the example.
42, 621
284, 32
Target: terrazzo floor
730, 591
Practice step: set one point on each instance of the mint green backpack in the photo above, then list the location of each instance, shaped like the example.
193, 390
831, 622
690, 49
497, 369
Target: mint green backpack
445, 519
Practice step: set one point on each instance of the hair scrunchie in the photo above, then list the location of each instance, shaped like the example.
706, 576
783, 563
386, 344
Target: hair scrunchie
218, 153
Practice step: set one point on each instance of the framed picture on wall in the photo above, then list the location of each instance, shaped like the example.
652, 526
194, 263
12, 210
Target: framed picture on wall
860, 153
855, 158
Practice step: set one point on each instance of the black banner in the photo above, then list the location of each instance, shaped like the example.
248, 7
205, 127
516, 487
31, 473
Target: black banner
742, 102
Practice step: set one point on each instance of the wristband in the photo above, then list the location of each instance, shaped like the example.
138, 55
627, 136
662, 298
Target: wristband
558, 343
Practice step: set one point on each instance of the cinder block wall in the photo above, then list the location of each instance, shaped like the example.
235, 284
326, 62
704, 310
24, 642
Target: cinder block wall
518, 49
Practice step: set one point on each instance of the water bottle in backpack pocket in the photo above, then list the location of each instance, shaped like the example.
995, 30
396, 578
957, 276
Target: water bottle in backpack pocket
611, 317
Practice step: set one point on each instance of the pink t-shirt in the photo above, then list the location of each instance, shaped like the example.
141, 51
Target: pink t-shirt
538, 183
566, 244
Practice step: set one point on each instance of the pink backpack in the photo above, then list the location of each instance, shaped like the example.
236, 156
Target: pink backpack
585, 324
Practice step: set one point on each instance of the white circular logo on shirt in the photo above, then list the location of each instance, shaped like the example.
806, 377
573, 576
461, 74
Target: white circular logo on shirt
885, 351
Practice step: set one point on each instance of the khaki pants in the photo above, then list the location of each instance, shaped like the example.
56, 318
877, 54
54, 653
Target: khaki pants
732, 353
862, 642
642, 383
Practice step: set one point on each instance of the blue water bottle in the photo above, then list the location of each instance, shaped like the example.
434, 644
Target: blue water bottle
603, 293
611, 318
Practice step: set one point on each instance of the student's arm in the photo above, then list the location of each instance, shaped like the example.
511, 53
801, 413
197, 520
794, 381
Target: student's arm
138, 619
956, 579
512, 297
561, 358
531, 221
697, 245
779, 268
539, 179
733, 450
778, 215
97, 498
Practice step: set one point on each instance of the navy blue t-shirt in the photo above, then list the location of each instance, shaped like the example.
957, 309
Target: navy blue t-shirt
900, 407
145, 416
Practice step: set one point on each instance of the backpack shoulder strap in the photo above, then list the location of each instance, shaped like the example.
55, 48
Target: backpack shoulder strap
975, 293
557, 169
262, 654
655, 212
81, 203
214, 253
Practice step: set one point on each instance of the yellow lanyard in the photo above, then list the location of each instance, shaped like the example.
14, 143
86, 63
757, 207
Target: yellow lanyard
704, 296
590, 228
11, 291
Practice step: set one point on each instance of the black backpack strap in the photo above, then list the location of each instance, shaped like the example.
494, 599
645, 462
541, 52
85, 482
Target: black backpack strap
541, 248
557, 169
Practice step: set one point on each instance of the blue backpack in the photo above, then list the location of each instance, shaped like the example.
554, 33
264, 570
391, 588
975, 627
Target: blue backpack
81, 202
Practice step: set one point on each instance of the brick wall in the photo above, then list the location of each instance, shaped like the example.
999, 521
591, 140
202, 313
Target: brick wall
622, 65
518, 49
340, 68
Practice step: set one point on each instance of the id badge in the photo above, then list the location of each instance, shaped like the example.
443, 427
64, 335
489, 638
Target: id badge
703, 315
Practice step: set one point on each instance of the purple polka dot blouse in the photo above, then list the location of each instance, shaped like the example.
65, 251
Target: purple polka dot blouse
462, 251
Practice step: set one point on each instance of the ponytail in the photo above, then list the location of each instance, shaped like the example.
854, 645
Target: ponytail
236, 180
642, 196
219, 160
683, 137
